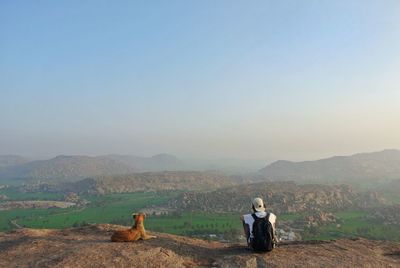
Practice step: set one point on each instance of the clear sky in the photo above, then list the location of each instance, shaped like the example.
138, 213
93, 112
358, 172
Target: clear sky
243, 79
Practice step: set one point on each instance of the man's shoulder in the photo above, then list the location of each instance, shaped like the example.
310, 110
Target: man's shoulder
247, 218
272, 217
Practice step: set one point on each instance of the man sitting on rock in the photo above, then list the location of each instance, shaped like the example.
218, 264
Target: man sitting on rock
259, 227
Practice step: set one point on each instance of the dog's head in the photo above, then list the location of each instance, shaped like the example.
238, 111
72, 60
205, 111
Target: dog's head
138, 217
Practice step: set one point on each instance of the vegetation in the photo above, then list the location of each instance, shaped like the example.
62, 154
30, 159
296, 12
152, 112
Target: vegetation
196, 223
13, 194
117, 209
354, 224
102, 209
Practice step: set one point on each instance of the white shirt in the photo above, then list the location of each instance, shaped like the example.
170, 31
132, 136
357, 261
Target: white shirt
248, 219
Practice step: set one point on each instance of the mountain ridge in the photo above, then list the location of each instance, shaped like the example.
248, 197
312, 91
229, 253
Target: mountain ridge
76, 167
134, 182
374, 166
64, 167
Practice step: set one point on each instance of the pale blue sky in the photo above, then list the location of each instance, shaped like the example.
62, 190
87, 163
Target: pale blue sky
260, 79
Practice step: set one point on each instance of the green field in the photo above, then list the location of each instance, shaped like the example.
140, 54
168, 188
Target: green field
354, 224
196, 223
102, 209
117, 209
14, 194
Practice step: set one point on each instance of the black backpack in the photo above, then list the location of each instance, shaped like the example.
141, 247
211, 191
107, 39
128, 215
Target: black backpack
263, 234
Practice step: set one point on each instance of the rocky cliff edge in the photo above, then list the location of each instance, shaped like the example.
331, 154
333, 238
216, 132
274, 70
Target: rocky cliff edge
90, 246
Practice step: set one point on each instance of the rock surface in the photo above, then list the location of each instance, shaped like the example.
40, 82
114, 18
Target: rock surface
280, 197
90, 246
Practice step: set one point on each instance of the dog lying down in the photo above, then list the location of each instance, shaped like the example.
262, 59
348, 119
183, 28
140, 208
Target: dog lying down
135, 233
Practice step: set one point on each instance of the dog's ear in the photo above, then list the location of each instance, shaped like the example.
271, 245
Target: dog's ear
144, 215
134, 214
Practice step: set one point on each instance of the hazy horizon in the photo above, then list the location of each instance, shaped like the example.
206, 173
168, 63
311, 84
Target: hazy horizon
202, 160
199, 79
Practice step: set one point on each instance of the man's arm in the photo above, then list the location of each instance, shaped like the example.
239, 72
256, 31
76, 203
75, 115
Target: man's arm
273, 219
275, 237
246, 229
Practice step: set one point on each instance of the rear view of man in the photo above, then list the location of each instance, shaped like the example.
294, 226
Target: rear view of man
259, 227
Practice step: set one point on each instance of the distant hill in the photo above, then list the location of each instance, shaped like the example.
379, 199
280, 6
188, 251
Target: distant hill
159, 162
376, 166
77, 167
11, 160
64, 168
148, 181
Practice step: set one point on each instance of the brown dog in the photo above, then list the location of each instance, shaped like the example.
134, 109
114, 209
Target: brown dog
135, 233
